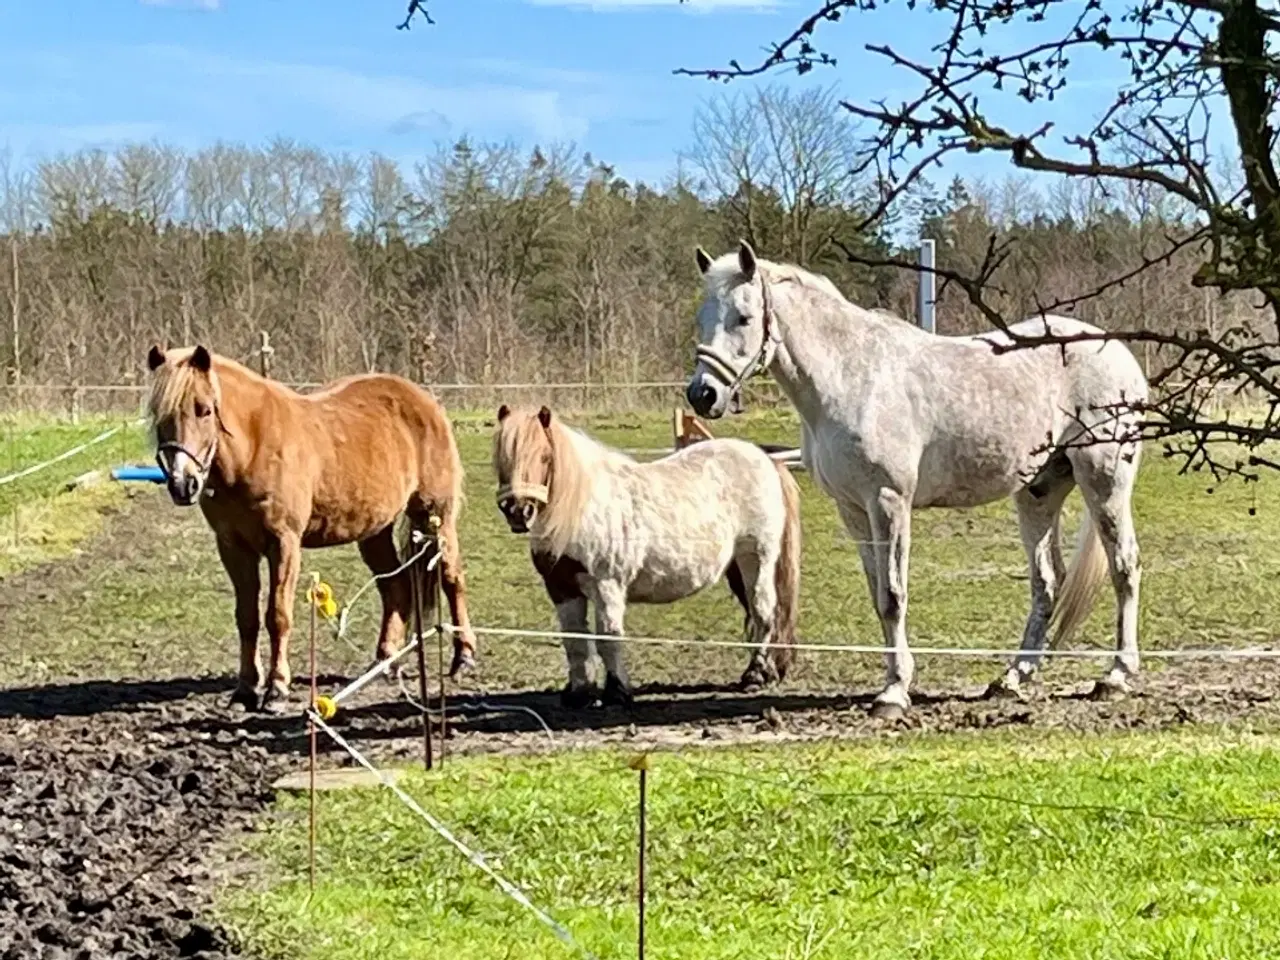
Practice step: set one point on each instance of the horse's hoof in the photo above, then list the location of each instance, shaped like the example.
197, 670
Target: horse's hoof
245, 698
1109, 690
615, 693
577, 698
887, 710
463, 661
275, 702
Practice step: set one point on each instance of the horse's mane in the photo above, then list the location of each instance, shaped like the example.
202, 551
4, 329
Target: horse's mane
518, 451
724, 274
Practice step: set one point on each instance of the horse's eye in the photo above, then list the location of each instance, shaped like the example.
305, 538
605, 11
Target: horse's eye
201, 409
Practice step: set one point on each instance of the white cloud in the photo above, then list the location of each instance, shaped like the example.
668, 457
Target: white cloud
390, 102
694, 6
210, 5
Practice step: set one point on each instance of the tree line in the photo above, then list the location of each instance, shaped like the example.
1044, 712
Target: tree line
488, 263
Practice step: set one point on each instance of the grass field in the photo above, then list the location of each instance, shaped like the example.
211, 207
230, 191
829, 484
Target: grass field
1209, 569
742, 865
876, 851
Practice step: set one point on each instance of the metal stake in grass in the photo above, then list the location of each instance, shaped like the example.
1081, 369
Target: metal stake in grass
438, 558
417, 539
311, 728
641, 763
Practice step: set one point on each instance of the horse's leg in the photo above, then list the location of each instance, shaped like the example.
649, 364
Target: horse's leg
1041, 539
453, 583
284, 558
1106, 482
381, 557
890, 515
579, 692
611, 604
243, 568
752, 676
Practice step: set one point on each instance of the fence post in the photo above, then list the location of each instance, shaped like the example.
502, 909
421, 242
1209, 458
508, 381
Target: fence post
265, 350
926, 296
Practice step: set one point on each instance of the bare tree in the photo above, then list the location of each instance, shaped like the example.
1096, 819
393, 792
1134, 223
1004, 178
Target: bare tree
779, 147
1179, 59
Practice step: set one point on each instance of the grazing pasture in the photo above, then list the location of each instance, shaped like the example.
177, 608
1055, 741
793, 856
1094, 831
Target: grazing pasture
807, 831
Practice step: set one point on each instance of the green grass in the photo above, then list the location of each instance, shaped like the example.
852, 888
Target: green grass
800, 851
1210, 580
39, 519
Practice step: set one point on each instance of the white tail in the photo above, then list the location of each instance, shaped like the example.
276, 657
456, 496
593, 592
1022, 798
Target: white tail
1078, 591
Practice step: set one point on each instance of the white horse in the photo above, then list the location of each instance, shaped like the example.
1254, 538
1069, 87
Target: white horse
895, 418
610, 530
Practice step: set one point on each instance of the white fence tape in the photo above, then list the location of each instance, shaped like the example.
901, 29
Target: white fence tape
67, 454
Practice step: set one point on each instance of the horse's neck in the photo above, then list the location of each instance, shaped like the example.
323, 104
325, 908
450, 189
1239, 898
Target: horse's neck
244, 397
596, 461
827, 349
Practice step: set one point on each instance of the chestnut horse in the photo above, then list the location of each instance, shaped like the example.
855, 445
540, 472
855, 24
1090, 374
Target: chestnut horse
275, 471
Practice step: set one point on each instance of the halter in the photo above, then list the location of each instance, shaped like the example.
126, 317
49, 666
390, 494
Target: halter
723, 368
204, 464
529, 491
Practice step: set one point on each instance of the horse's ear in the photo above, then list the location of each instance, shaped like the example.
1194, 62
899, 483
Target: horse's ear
544, 417
200, 359
704, 260
503, 412
746, 260
155, 357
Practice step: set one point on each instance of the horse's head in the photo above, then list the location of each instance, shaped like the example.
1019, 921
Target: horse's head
735, 335
186, 417
523, 459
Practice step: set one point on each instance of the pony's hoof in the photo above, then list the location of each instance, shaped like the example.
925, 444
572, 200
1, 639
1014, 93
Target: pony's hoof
1003, 690
1106, 691
755, 677
615, 693
887, 710
248, 699
577, 698
464, 660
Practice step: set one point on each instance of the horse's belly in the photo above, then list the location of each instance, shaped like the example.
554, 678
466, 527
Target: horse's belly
666, 584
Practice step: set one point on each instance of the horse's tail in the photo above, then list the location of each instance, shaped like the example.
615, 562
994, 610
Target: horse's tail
1079, 590
787, 576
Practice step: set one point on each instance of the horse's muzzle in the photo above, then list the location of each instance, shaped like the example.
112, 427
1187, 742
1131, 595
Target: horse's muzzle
185, 489
705, 396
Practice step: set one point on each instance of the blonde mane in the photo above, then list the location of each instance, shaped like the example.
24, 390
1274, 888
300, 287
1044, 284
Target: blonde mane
559, 457
173, 384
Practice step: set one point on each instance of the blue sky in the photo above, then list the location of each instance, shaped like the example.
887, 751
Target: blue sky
335, 73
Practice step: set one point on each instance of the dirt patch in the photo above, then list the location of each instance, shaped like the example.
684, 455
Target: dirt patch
106, 824
116, 793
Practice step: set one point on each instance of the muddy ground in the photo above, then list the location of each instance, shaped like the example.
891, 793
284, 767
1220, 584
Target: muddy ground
125, 778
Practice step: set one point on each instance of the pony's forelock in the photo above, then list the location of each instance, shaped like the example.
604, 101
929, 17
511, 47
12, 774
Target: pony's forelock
519, 447
174, 382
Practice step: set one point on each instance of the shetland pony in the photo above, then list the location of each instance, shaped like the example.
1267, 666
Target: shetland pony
275, 471
606, 529
895, 419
